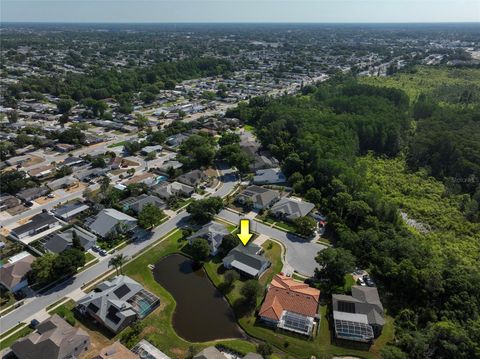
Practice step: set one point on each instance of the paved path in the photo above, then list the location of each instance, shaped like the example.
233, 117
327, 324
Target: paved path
300, 252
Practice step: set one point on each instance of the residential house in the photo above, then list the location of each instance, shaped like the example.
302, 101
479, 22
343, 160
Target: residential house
72, 161
165, 190
176, 140
64, 182
115, 163
58, 242
38, 223
53, 338
8, 201
69, 211
64, 147
359, 317
214, 353
109, 220
148, 149
145, 349
115, 351
213, 232
13, 275
192, 178
291, 208
262, 161
210, 353
269, 176
136, 204
170, 164
90, 173
146, 177
260, 197
247, 260
117, 303
290, 305
30, 194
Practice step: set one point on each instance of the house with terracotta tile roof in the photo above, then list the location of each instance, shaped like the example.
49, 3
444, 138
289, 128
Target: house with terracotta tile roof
290, 305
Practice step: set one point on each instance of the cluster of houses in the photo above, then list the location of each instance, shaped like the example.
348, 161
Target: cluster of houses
114, 304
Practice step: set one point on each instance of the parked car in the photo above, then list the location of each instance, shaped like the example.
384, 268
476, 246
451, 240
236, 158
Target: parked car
361, 282
368, 281
51, 195
34, 323
102, 252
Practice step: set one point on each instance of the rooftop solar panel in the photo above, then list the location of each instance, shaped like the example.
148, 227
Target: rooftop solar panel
121, 291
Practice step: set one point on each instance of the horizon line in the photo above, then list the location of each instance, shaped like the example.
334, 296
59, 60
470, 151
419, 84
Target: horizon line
239, 22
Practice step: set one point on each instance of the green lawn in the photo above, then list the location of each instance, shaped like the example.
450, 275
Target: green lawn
118, 144
88, 257
249, 128
158, 325
66, 312
349, 281
10, 340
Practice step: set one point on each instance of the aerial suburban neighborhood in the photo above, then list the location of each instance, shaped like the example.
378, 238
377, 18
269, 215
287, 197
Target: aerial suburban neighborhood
231, 191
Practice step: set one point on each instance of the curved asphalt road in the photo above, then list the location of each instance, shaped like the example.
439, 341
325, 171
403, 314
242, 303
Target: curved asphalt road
300, 253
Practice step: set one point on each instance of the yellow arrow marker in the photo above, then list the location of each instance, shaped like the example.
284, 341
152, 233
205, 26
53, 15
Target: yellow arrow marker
245, 234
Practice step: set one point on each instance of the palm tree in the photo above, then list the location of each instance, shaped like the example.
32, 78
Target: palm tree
118, 261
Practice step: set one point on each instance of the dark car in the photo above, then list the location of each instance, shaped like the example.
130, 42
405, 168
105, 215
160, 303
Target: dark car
29, 204
34, 323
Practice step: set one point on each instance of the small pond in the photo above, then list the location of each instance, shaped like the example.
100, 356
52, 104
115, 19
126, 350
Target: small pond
202, 314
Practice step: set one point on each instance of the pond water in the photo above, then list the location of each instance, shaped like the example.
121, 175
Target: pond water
202, 314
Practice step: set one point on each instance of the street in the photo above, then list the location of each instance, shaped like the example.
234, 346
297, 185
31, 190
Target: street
28, 310
300, 254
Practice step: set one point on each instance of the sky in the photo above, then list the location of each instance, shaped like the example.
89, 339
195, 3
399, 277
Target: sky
316, 11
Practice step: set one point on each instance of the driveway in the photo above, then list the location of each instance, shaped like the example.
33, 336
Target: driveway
300, 254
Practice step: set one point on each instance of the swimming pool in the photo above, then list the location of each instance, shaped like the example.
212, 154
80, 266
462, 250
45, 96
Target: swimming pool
161, 179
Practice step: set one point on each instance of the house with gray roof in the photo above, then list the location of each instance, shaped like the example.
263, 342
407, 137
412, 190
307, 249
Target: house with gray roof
192, 178
117, 303
165, 190
109, 220
147, 149
269, 176
214, 353
64, 182
38, 223
69, 211
247, 260
60, 241
360, 316
53, 338
136, 204
8, 201
213, 232
30, 194
167, 165
291, 208
13, 275
72, 161
260, 197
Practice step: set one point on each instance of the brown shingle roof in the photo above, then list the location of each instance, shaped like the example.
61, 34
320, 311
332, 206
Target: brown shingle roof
13, 273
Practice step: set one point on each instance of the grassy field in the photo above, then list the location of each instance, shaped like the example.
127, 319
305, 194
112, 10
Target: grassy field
445, 82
